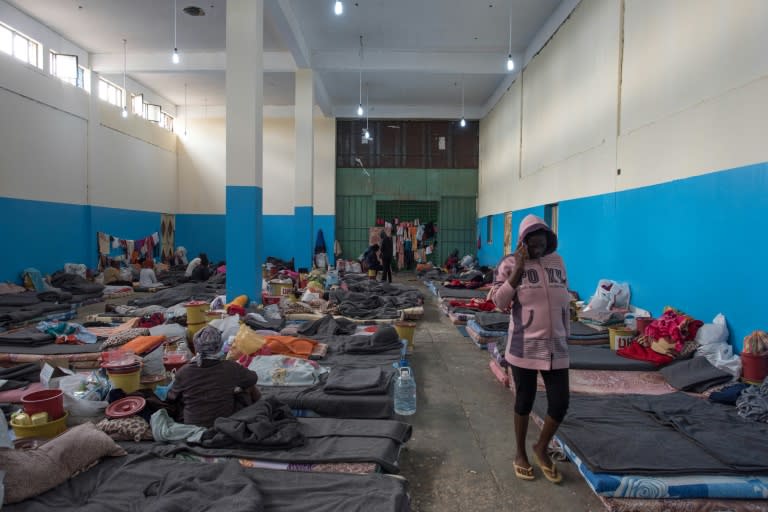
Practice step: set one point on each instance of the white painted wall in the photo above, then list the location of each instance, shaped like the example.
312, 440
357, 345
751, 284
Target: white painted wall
58, 143
694, 89
202, 166
324, 190
694, 99
563, 145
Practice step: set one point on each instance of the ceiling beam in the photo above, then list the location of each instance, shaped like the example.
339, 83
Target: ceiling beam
160, 62
287, 24
454, 63
410, 112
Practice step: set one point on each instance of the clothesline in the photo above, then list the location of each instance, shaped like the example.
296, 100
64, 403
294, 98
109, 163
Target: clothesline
132, 249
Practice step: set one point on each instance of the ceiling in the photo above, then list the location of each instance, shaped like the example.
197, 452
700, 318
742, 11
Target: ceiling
416, 54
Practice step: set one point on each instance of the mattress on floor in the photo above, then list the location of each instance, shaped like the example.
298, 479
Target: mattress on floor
354, 468
682, 505
614, 382
461, 293
16, 357
460, 318
363, 321
484, 333
671, 487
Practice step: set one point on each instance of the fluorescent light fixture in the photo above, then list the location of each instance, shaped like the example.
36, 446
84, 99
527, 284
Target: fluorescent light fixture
510, 63
338, 8
175, 57
360, 109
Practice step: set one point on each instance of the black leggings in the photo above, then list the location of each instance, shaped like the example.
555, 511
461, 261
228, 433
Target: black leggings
558, 391
387, 264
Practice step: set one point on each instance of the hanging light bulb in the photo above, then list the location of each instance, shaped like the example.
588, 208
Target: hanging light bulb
463, 122
125, 88
175, 57
360, 80
338, 8
510, 62
367, 134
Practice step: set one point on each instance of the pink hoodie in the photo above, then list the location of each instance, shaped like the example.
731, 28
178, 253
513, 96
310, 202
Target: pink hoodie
540, 319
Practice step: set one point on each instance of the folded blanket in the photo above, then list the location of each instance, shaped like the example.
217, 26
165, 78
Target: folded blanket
54, 295
328, 326
492, 321
268, 424
358, 381
696, 375
384, 339
19, 376
28, 337
143, 344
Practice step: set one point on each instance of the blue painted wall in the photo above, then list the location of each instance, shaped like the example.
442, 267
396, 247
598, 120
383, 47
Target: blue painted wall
696, 244
244, 243
490, 254
328, 224
43, 235
125, 224
201, 233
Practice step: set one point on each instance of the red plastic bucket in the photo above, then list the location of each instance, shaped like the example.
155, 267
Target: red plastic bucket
754, 368
48, 400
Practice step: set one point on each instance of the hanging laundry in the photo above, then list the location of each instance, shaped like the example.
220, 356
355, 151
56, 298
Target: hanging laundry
103, 243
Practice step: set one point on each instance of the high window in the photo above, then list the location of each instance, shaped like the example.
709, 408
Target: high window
20, 46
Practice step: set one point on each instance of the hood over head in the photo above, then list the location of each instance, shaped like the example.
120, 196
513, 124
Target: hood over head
533, 223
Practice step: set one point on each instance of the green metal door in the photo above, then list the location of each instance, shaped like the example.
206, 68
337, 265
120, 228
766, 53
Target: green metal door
456, 227
354, 215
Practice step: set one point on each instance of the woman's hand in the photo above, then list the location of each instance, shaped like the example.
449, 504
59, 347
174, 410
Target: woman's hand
520, 255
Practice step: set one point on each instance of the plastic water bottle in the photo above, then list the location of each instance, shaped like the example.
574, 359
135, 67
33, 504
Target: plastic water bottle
405, 392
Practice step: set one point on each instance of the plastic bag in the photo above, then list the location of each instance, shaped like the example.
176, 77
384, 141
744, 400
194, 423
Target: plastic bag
309, 296
84, 395
228, 326
716, 332
272, 312
610, 295
247, 341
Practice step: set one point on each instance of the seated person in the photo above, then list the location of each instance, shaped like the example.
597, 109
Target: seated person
112, 272
371, 260
210, 387
452, 262
203, 271
180, 256
147, 277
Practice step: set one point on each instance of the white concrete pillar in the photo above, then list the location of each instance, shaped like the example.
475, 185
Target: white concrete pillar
245, 112
305, 156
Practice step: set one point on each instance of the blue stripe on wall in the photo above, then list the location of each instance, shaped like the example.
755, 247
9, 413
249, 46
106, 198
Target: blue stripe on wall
244, 243
328, 224
120, 223
694, 244
303, 236
43, 235
202, 233
491, 254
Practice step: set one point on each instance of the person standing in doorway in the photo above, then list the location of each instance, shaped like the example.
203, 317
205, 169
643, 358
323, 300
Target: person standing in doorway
531, 283
386, 256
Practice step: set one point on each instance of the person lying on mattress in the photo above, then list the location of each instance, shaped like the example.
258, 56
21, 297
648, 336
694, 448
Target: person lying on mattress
531, 284
210, 387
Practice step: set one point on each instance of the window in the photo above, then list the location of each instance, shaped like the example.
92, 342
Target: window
110, 93
167, 121
550, 216
489, 233
66, 68
137, 105
154, 112
20, 46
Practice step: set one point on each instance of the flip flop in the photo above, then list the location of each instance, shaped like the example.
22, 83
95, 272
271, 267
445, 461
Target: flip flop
550, 472
524, 473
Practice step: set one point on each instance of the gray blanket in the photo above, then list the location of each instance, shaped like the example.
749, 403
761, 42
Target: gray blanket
359, 381
603, 358
326, 440
695, 375
266, 424
149, 482
327, 326
670, 434
314, 398
491, 321
180, 293
461, 293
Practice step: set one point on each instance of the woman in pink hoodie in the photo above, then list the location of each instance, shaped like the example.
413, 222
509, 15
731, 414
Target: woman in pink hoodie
531, 284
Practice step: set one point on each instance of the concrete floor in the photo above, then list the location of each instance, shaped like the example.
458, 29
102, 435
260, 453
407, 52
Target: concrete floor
460, 456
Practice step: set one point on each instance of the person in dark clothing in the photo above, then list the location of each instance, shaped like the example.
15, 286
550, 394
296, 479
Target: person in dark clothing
386, 256
203, 271
371, 260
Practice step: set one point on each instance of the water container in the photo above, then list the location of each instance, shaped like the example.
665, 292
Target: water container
405, 393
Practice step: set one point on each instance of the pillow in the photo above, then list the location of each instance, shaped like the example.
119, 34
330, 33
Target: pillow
121, 338
132, 428
32, 472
